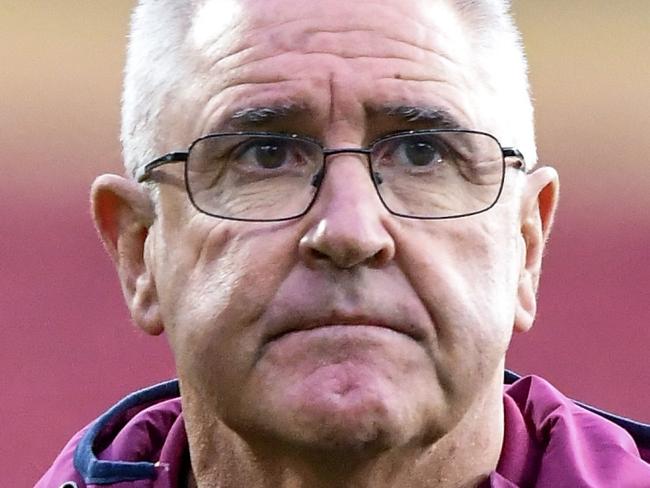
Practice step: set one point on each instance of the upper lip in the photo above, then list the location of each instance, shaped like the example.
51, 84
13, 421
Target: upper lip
302, 321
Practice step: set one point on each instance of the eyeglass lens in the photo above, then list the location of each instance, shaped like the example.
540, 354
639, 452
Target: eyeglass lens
266, 177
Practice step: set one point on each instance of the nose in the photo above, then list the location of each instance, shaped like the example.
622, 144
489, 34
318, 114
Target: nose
347, 226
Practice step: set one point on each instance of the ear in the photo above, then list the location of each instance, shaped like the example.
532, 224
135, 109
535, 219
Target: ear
539, 201
123, 214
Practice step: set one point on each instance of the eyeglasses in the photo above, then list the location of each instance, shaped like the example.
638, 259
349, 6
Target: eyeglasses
271, 177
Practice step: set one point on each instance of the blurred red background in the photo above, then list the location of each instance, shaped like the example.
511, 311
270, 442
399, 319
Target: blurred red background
67, 347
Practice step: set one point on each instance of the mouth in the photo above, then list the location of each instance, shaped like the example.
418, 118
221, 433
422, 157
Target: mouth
340, 322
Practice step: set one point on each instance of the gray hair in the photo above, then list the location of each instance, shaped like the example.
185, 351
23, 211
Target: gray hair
501, 64
153, 72
155, 68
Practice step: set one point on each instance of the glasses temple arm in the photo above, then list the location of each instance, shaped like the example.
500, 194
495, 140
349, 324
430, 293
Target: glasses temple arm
144, 172
511, 152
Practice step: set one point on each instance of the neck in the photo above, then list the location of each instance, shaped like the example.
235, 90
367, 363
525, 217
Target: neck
463, 457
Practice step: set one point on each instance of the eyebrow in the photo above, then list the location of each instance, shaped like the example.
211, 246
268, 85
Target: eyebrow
255, 117
248, 117
434, 117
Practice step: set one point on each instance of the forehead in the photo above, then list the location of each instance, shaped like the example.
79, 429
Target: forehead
337, 59
420, 22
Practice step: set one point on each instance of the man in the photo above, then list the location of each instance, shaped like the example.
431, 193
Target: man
338, 259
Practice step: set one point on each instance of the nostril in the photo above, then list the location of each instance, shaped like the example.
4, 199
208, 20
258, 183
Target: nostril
317, 255
382, 256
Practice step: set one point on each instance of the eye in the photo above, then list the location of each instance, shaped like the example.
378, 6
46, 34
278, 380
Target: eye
412, 151
418, 152
264, 153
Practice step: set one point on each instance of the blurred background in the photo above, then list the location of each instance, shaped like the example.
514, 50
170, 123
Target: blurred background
67, 347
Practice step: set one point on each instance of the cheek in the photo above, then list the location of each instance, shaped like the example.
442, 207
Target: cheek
466, 275
213, 289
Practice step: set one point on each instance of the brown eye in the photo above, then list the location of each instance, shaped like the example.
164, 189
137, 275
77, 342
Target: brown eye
269, 155
420, 153
264, 153
415, 151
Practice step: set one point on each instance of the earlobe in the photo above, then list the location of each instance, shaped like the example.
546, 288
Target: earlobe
123, 214
539, 201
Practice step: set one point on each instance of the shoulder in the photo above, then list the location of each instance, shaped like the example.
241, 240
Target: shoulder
125, 443
567, 440
543, 402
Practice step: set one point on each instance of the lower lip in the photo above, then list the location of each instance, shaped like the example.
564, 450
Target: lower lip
336, 343
343, 331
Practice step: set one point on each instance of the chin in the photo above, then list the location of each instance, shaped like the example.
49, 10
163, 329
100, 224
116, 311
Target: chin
357, 422
363, 395
362, 436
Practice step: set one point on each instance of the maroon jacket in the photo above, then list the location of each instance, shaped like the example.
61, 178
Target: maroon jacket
550, 442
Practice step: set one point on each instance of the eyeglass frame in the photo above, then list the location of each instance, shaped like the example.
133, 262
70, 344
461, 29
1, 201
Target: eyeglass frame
145, 172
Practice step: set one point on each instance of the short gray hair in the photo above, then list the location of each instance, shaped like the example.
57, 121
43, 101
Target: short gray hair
153, 72
155, 69
501, 63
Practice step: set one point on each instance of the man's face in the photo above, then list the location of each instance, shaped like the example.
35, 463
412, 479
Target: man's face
348, 326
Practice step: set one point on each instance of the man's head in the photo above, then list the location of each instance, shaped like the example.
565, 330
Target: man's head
348, 327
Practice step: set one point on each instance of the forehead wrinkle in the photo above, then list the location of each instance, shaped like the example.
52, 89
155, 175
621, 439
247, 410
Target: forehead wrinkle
441, 111
255, 75
257, 44
286, 69
385, 47
329, 19
384, 37
332, 105
288, 27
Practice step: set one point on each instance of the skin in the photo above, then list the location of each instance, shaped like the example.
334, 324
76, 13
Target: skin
352, 402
